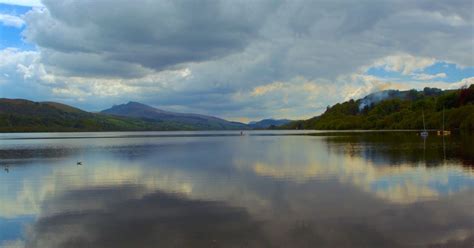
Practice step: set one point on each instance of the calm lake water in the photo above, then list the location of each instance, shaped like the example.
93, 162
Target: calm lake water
220, 189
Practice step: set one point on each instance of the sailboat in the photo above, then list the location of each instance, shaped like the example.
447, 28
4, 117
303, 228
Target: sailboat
444, 132
424, 133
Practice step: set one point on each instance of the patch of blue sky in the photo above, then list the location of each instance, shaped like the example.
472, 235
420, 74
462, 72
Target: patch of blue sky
13, 9
381, 185
11, 36
13, 229
455, 183
453, 72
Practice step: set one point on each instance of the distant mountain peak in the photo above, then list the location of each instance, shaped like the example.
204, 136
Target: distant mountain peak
135, 103
132, 104
266, 123
143, 111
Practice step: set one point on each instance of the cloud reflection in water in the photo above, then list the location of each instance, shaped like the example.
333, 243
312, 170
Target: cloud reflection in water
271, 191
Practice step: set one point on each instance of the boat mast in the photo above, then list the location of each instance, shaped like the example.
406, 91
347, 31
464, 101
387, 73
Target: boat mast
443, 120
423, 114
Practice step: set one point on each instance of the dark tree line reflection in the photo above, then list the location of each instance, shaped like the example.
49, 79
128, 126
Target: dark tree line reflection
406, 148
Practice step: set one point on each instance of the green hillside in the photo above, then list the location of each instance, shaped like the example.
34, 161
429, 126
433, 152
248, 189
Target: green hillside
398, 110
17, 115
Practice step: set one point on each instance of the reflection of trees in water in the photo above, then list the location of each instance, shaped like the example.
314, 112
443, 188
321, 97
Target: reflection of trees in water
25, 156
25, 153
397, 148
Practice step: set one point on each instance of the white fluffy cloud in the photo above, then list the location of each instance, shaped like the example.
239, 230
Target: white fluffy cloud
233, 59
404, 63
11, 20
423, 76
30, 3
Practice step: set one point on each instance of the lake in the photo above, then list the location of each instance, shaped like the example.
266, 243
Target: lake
220, 189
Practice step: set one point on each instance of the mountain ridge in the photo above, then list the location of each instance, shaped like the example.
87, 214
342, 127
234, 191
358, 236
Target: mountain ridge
268, 123
143, 111
391, 109
22, 115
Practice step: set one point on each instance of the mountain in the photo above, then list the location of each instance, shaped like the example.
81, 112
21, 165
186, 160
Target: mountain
148, 113
19, 115
268, 123
395, 109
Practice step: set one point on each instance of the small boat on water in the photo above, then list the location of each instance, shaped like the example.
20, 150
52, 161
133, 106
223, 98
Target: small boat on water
424, 133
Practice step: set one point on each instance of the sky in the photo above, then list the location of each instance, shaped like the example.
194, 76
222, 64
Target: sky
241, 60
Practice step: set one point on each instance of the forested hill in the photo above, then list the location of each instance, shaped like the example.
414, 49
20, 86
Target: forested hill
395, 109
18, 115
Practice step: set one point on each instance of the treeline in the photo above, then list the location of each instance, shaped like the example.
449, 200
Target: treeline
398, 110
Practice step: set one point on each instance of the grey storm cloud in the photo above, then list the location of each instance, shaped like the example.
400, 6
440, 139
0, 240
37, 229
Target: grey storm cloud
133, 36
319, 38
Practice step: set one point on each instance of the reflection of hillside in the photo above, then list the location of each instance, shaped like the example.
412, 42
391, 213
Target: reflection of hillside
405, 147
365, 161
13, 156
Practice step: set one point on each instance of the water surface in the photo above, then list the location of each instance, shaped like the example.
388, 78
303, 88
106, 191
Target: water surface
220, 189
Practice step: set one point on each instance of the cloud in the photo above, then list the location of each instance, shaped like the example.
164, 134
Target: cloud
29, 3
424, 77
404, 63
23, 69
135, 187
172, 220
11, 20
282, 99
296, 36
154, 35
268, 88
13, 244
112, 51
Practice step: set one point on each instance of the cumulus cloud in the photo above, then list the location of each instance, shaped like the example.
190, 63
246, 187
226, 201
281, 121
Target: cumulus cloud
423, 76
295, 98
112, 51
29, 3
404, 63
11, 20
